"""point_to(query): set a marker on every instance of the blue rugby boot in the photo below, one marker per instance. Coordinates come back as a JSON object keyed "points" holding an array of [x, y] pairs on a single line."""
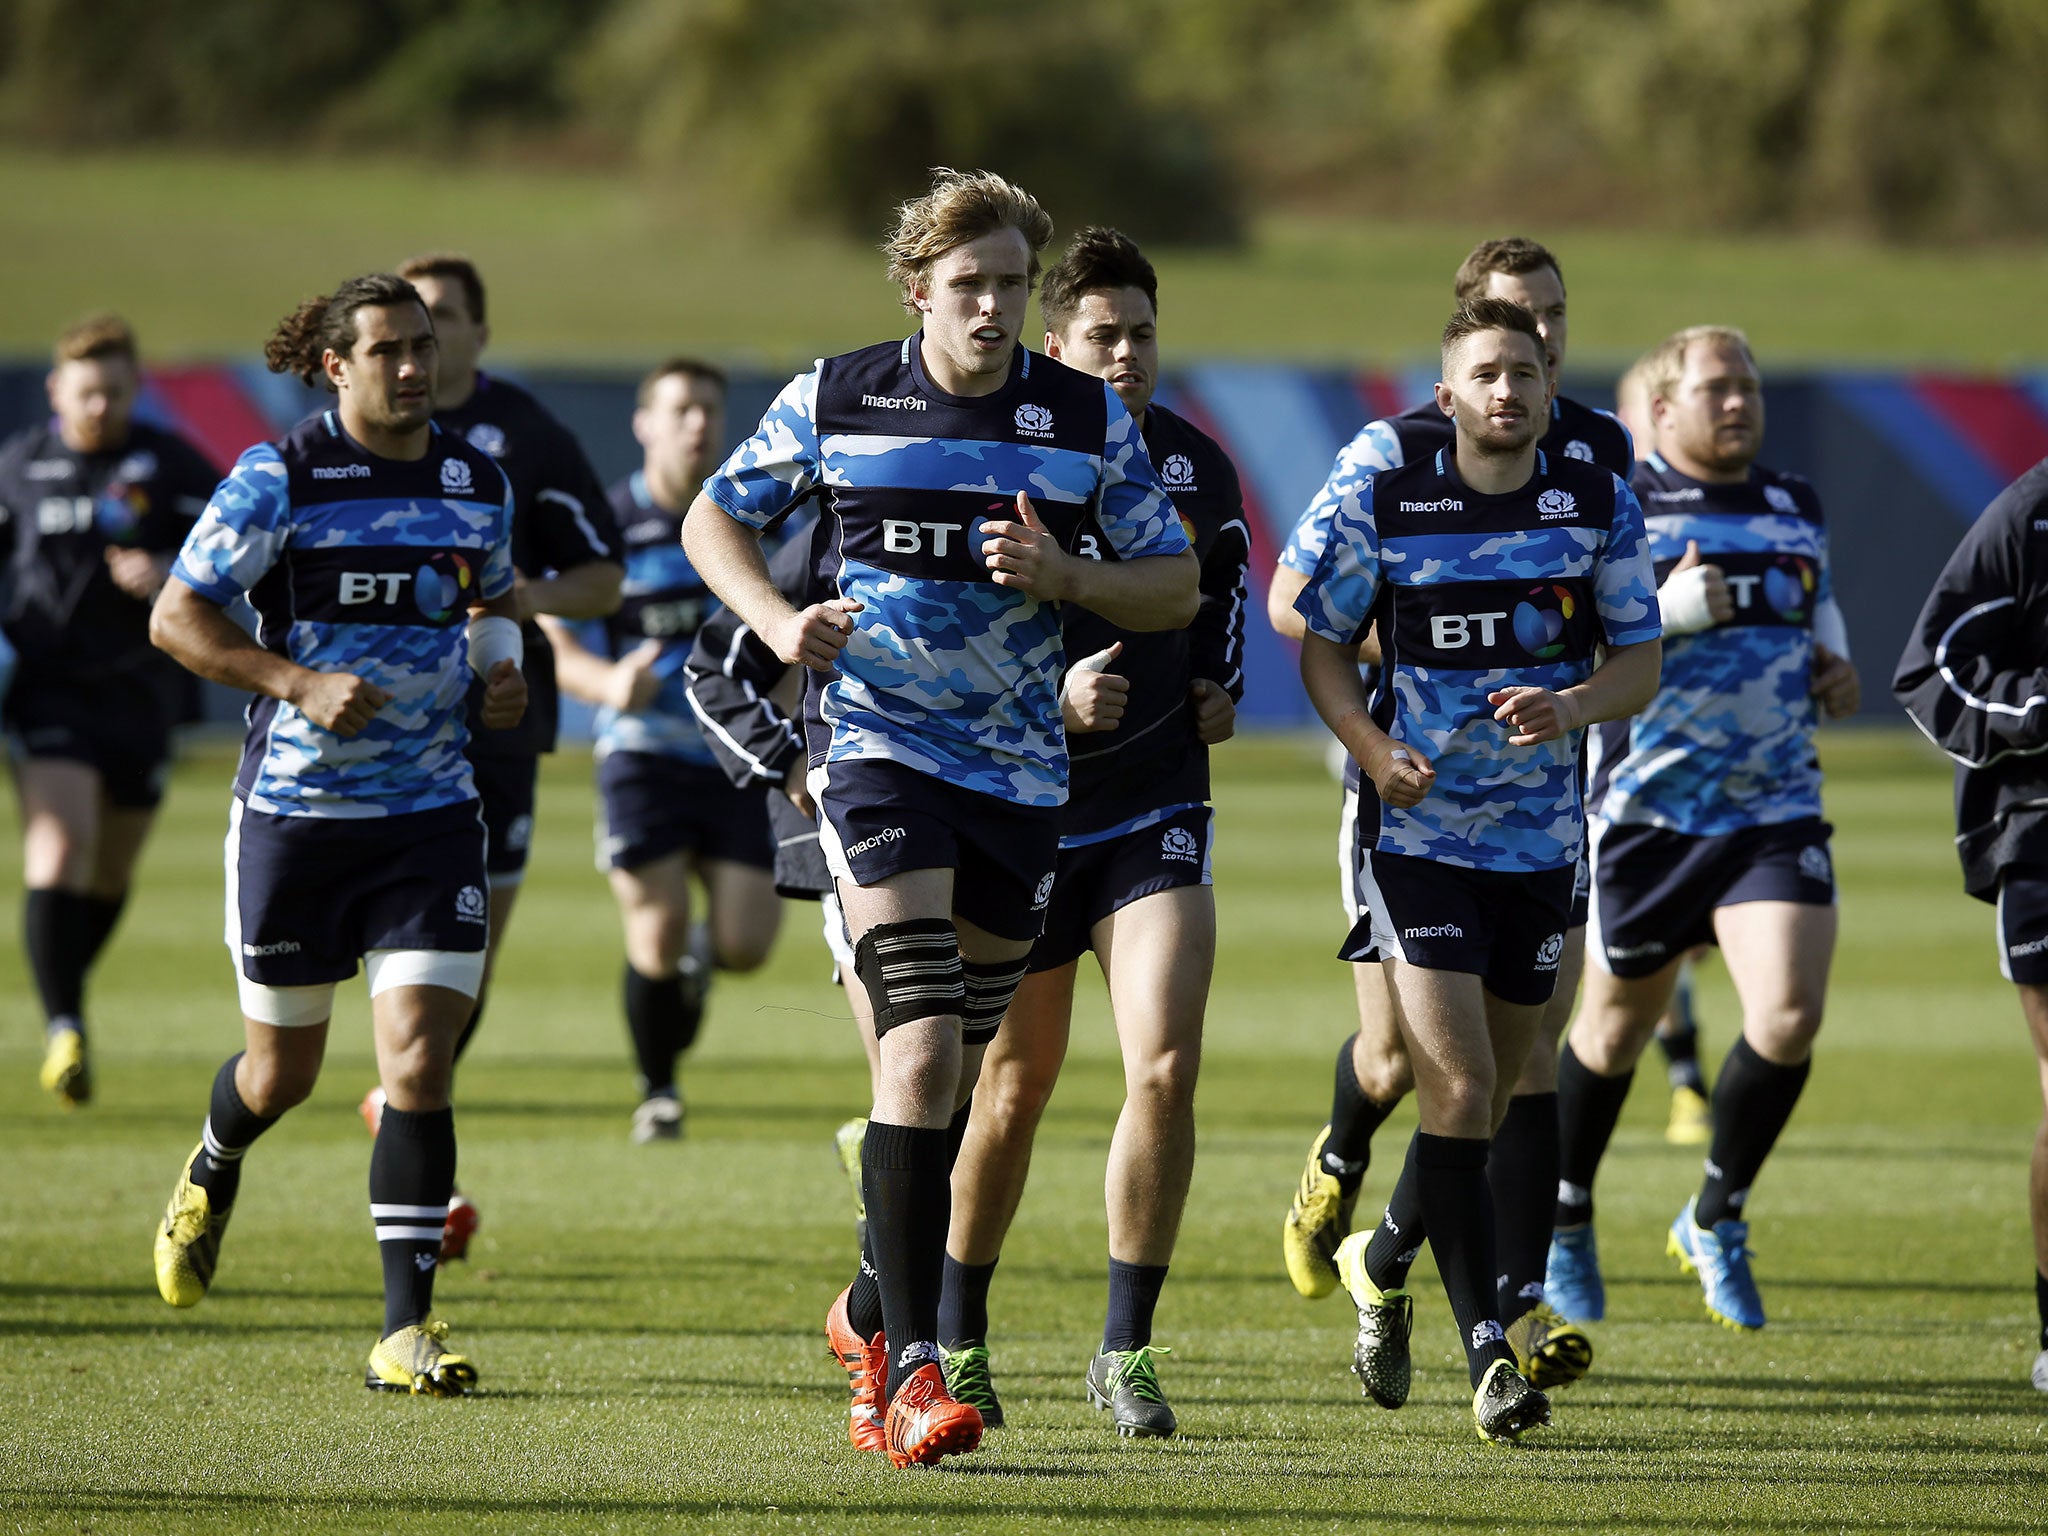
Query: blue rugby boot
{"points": [[1571, 1275], [1720, 1257]]}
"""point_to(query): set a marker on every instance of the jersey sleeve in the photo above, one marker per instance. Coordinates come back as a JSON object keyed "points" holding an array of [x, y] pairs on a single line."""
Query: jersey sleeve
{"points": [[1136, 517], [1374, 449], [243, 530], [570, 522], [1216, 637], [779, 465], [1624, 580], [1338, 599], [729, 678], [1965, 677], [498, 573]]}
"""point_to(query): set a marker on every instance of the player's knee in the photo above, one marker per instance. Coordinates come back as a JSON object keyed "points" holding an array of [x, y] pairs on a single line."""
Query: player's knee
{"points": [[1016, 1090], [745, 950], [1466, 1098], [1165, 1078], [911, 971], [273, 1085], [1385, 1076], [1784, 1031]]}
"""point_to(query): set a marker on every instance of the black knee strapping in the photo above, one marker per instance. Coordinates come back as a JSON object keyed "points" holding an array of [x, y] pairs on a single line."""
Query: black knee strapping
{"points": [[989, 991], [911, 970]]}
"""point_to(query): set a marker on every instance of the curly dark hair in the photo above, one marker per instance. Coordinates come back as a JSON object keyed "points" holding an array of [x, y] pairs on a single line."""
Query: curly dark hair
{"points": [[328, 323], [1098, 258]]}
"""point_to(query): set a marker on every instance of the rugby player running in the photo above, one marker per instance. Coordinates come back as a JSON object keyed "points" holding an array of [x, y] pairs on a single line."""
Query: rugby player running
{"points": [[376, 551], [938, 757], [93, 506], [667, 812], [1707, 827], [1974, 677], [1496, 574], [1372, 1070], [566, 559], [1133, 876]]}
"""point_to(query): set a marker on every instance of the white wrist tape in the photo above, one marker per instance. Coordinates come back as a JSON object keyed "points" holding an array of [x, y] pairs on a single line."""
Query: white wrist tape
{"points": [[1683, 602], [1099, 662], [493, 639], [1831, 629]]}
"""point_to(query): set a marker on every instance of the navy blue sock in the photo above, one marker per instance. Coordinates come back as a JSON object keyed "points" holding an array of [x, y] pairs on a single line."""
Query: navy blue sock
{"points": [[1395, 1243], [231, 1128], [2041, 1304], [909, 1195], [57, 931], [864, 1300], [963, 1303], [1753, 1098], [1353, 1118], [1133, 1296], [412, 1174], [1588, 1108], [1521, 1170], [1450, 1174], [656, 1016]]}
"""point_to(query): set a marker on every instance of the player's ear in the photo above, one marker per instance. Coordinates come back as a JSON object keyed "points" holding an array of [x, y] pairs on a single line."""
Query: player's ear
{"points": [[1443, 397], [1052, 345]]}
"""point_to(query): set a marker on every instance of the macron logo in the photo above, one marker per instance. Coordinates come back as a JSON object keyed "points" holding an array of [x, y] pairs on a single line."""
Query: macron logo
{"points": [[1439, 931], [893, 402], [1448, 504], [886, 835], [281, 947], [341, 471]]}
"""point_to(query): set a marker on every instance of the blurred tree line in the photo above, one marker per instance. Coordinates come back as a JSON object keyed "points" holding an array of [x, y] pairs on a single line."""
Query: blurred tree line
{"points": [[1914, 119]]}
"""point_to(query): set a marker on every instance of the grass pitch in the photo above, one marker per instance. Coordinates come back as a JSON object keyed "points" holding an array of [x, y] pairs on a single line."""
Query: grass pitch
{"points": [[647, 1320], [204, 252]]}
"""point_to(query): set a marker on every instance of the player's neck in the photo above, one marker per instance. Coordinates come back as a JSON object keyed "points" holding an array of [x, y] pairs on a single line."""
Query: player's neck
{"points": [[452, 394], [1494, 474], [968, 386], [407, 445], [1708, 474], [670, 496], [112, 442]]}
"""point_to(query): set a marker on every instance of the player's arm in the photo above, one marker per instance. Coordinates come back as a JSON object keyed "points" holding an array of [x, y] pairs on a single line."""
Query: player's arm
{"points": [[1143, 592], [575, 536], [1216, 638], [1623, 682], [497, 654], [628, 684], [1967, 677], [727, 554], [196, 633], [1398, 772]]}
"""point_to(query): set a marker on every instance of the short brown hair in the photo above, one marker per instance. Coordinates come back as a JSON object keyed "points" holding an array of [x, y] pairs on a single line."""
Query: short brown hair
{"points": [[1515, 256], [686, 367], [1476, 315], [105, 334], [448, 264], [1098, 258], [1664, 363], [962, 206]]}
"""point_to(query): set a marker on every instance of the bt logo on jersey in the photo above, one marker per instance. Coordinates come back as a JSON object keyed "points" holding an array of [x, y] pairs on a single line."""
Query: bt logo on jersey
{"points": [[1454, 631], [902, 537]]}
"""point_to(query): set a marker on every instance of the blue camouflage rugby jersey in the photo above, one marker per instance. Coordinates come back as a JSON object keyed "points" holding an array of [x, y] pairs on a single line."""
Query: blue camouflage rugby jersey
{"points": [[662, 599], [946, 672], [1576, 432], [1473, 593], [355, 563], [1728, 740]]}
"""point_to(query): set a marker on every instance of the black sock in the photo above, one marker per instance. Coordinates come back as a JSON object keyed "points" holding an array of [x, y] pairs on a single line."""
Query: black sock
{"points": [[656, 1013], [1450, 1172], [476, 1017], [231, 1127], [105, 912], [1753, 1099], [1588, 1106], [1133, 1296], [864, 1299], [956, 1132], [963, 1303], [904, 1177], [1353, 1118], [58, 930], [1521, 1170], [412, 1173], [693, 977], [1391, 1250], [1681, 1047], [2041, 1304]]}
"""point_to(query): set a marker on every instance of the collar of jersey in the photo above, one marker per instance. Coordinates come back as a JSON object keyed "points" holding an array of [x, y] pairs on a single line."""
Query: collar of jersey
{"points": [[912, 357], [1446, 466]]}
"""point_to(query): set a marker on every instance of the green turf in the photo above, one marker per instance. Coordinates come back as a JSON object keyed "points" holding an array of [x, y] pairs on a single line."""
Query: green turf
{"points": [[647, 1320], [587, 267]]}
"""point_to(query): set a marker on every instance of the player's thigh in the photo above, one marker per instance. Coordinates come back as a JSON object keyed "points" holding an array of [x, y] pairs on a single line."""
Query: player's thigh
{"points": [[1159, 955], [60, 820], [280, 1063], [655, 892], [1442, 1017], [898, 898], [416, 1025], [123, 830], [1617, 1015], [1023, 1062], [2034, 1004], [1778, 954], [745, 911], [1539, 1067]]}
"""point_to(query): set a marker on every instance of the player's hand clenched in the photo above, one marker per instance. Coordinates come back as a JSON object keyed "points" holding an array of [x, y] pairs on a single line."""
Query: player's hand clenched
{"points": [[339, 702], [1025, 555], [504, 695], [1094, 698], [1399, 773], [1835, 683], [813, 637], [1215, 713], [1535, 715]]}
